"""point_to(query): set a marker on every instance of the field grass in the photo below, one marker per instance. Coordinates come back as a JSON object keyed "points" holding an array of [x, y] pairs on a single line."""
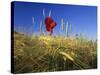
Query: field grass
{"points": [[53, 53]]}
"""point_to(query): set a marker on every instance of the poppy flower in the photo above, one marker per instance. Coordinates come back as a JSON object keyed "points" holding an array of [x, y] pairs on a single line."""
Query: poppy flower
{"points": [[50, 24]]}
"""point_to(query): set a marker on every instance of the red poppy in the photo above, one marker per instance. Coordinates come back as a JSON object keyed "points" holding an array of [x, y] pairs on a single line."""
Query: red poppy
{"points": [[50, 24]]}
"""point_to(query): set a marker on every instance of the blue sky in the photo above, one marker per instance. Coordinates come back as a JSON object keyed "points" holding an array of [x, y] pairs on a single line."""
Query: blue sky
{"points": [[83, 19]]}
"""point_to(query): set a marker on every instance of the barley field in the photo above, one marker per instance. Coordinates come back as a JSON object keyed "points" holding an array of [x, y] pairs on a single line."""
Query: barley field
{"points": [[46, 53]]}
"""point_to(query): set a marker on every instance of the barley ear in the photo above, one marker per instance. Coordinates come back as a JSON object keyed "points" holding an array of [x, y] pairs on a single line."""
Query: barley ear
{"points": [[67, 29], [50, 13], [32, 20], [62, 24], [44, 13], [41, 26]]}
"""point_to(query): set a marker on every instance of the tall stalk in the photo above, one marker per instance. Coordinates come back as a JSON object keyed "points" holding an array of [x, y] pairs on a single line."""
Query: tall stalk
{"points": [[62, 25], [41, 26], [67, 29]]}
